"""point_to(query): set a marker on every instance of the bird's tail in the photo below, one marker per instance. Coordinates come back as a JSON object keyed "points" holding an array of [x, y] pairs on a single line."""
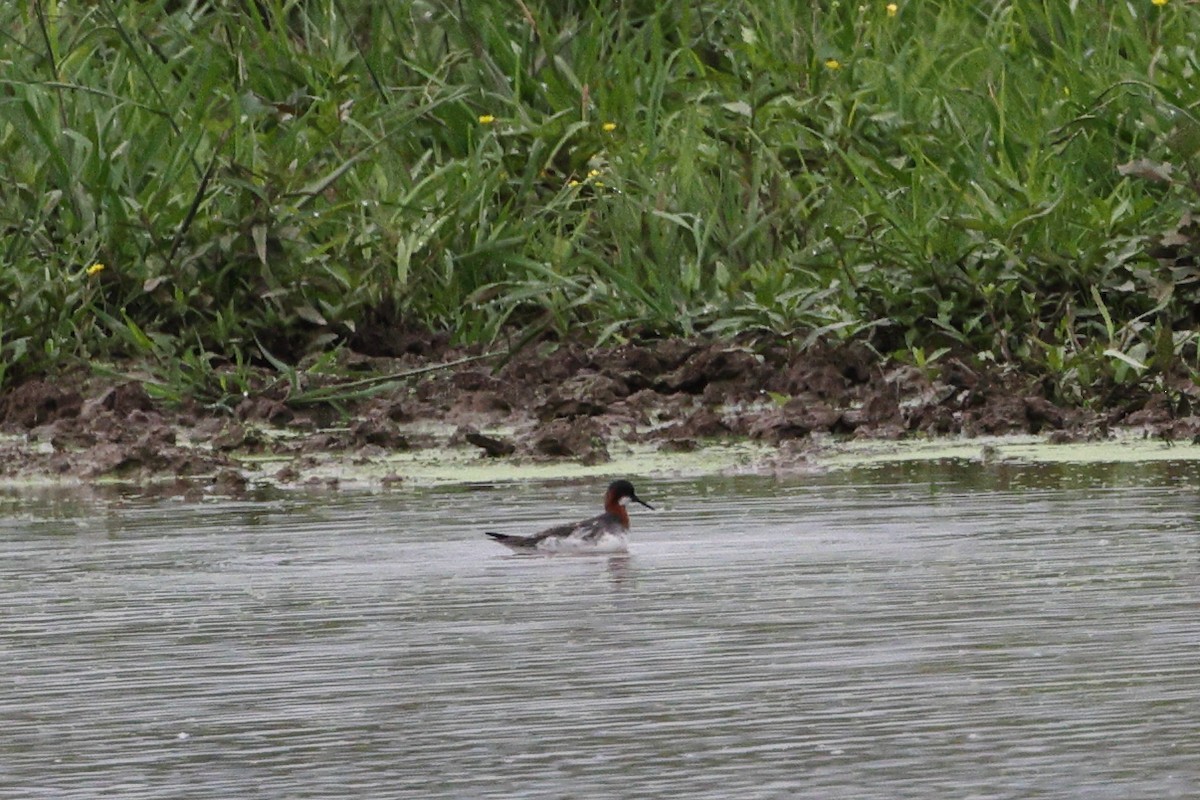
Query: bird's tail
{"points": [[517, 543]]}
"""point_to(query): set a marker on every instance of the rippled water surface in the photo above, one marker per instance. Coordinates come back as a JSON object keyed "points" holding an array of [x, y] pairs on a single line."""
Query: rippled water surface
{"points": [[921, 632]]}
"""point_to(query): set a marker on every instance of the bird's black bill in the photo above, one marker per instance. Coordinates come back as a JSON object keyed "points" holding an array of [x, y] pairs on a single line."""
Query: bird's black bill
{"points": [[643, 502]]}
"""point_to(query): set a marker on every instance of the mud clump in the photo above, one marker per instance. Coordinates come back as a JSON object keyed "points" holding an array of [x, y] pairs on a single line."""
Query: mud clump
{"points": [[378, 431], [730, 369], [703, 423], [587, 395], [797, 419], [493, 446], [38, 403], [236, 436], [264, 409], [580, 440]]}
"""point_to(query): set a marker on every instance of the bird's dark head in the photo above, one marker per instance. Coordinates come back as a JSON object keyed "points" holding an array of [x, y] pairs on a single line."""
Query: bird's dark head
{"points": [[620, 493]]}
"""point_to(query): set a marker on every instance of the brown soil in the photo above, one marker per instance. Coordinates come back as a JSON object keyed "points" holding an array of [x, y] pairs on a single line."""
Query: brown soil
{"points": [[558, 401]]}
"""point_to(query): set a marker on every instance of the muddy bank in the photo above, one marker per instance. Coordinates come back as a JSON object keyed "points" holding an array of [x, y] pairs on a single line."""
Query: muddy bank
{"points": [[548, 403]]}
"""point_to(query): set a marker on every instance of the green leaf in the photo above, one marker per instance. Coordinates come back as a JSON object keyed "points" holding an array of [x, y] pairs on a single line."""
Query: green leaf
{"points": [[1133, 362]]}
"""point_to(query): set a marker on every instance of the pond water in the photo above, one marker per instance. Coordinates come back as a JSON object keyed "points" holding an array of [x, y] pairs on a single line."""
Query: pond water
{"points": [[911, 631]]}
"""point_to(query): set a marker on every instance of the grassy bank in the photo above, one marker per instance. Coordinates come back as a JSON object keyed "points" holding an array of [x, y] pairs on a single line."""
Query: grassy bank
{"points": [[208, 185]]}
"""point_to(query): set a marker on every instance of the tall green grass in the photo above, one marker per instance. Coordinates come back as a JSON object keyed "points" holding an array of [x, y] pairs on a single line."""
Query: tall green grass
{"points": [[261, 181]]}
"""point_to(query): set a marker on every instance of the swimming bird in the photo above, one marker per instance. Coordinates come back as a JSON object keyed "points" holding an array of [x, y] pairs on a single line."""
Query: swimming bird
{"points": [[606, 533]]}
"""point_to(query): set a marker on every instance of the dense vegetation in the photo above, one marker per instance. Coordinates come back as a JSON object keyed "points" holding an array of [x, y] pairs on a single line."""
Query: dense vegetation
{"points": [[201, 184]]}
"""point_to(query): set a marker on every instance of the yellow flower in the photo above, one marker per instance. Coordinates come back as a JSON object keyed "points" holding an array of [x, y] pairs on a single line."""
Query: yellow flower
{"points": [[593, 173], [892, 9], [95, 269], [1159, 2], [608, 127], [486, 119], [572, 182], [833, 63]]}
